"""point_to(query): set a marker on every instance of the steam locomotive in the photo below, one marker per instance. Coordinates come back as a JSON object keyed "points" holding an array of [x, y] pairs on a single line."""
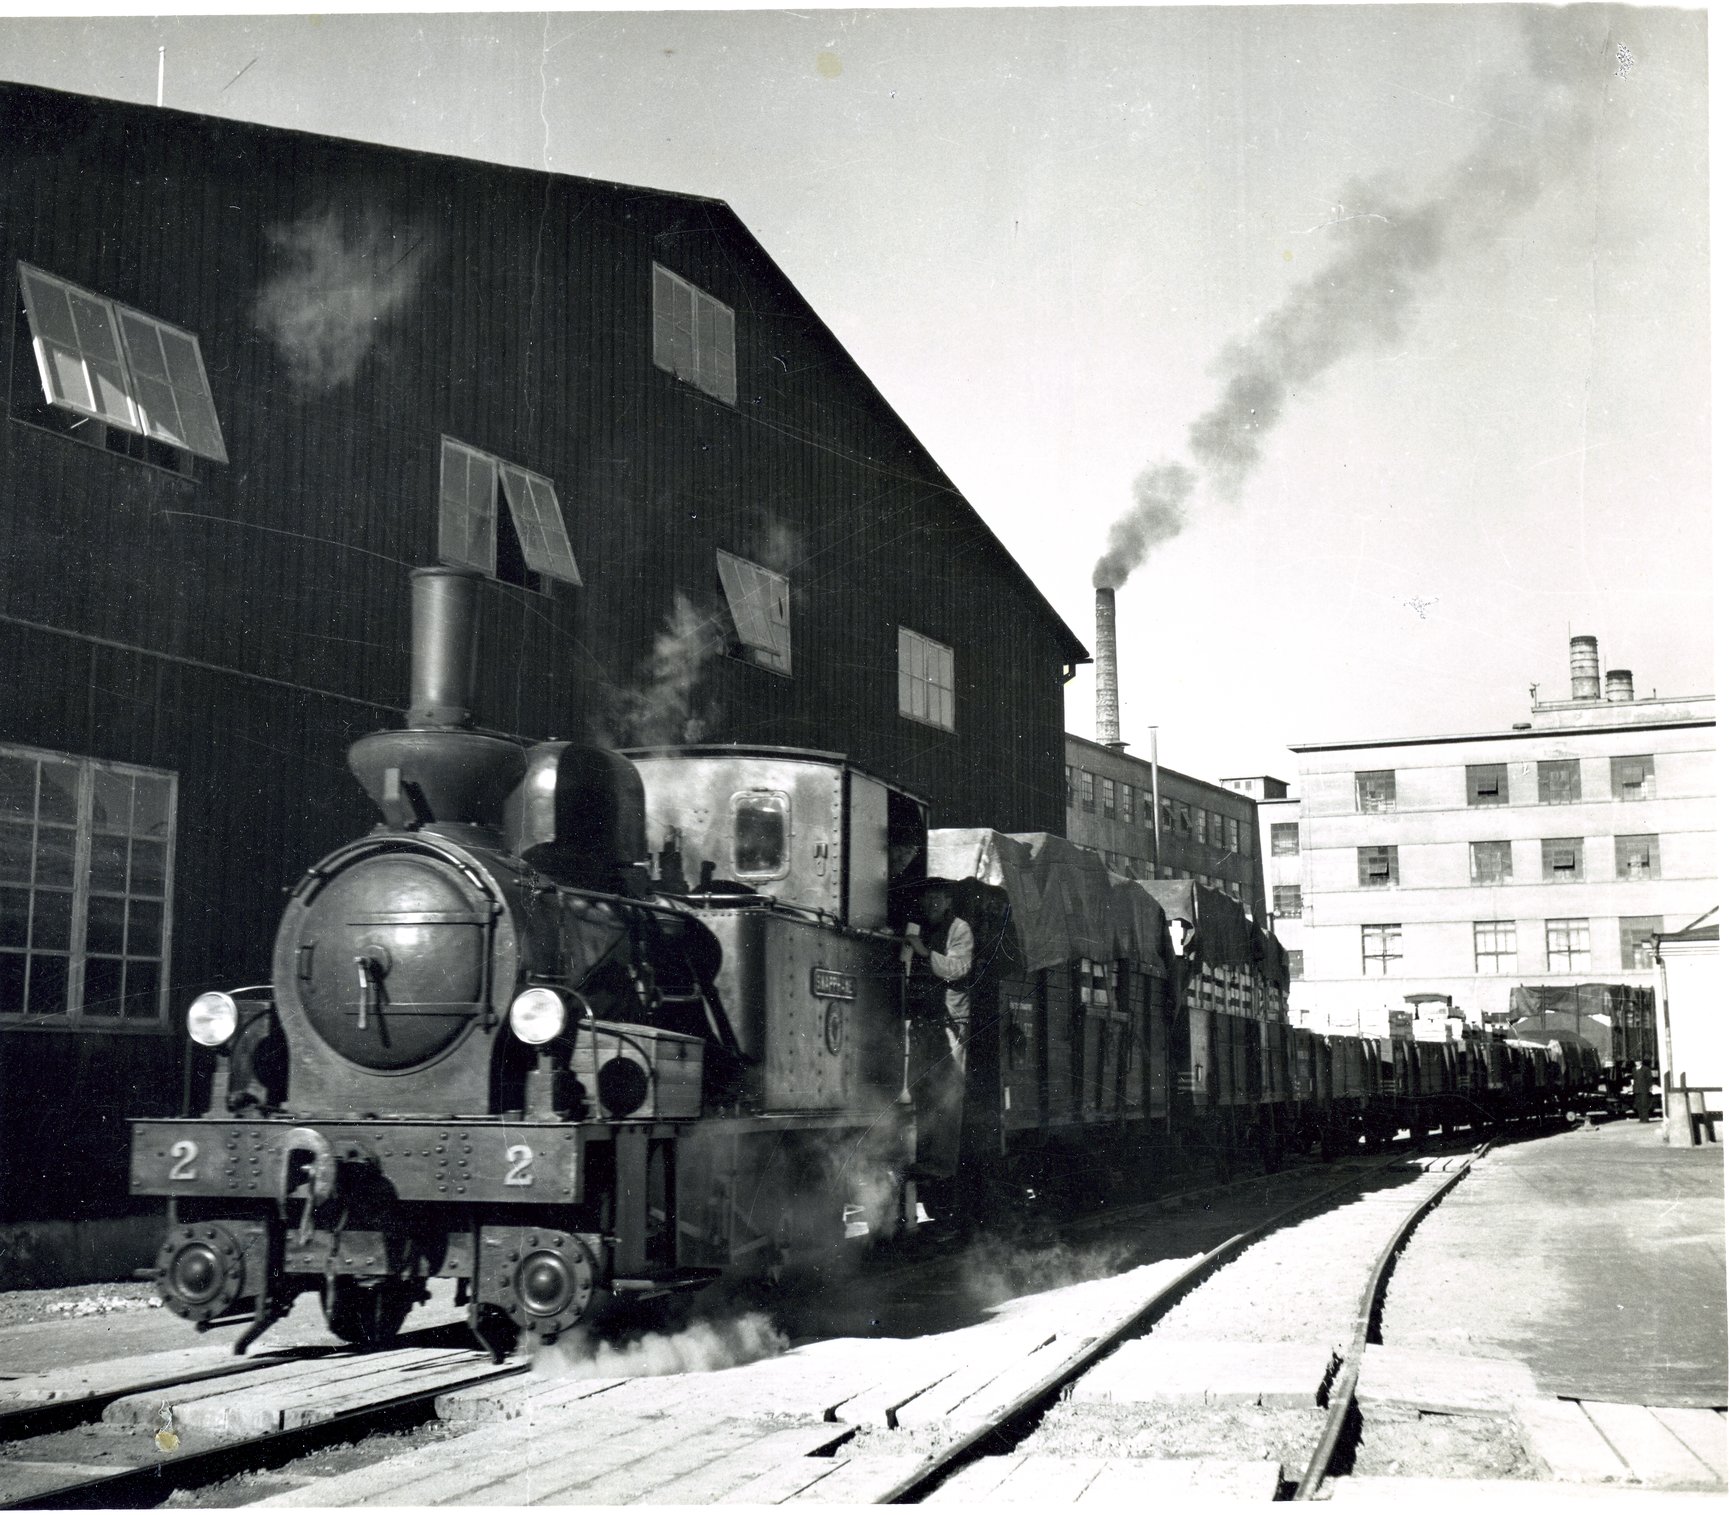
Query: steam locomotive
{"points": [[572, 1026]]}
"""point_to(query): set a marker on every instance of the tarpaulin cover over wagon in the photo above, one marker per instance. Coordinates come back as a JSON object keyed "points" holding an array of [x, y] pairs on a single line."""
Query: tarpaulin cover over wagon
{"points": [[1224, 935], [1063, 902]]}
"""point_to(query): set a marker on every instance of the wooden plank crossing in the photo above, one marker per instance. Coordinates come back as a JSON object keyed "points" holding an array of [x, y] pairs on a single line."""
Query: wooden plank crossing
{"points": [[1442, 1382], [1167, 1370], [1593, 1442], [94, 1380], [285, 1395]]}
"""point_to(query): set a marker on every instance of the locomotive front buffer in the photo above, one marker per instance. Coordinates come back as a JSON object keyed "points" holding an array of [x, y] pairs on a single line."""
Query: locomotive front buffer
{"points": [[540, 1221]]}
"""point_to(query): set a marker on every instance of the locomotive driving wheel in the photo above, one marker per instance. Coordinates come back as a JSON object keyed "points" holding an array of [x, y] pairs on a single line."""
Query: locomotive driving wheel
{"points": [[368, 1311]]}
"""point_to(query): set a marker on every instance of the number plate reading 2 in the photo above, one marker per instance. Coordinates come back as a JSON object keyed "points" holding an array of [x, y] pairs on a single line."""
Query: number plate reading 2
{"points": [[826, 983]]}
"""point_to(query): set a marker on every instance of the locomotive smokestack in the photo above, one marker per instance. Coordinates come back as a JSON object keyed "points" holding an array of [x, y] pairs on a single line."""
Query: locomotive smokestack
{"points": [[1105, 669], [437, 770], [442, 652]]}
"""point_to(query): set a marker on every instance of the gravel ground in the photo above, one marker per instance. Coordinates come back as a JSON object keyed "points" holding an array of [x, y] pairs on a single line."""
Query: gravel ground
{"points": [[1073, 1430], [26, 1307], [1417, 1445]]}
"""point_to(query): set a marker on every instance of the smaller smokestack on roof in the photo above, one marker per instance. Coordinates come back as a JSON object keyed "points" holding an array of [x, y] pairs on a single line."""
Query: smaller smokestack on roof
{"points": [[1105, 669], [1583, 661], [1619, 685]]}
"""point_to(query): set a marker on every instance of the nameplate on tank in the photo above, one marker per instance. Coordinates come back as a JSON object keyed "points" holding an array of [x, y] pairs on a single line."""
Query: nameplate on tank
{"points": [[826, 983]]}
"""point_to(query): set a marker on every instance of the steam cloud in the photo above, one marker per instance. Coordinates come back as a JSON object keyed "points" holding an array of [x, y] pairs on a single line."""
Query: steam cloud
{"points": [[1539, 132], [338, 282], [661, 709], [701, 1347]]}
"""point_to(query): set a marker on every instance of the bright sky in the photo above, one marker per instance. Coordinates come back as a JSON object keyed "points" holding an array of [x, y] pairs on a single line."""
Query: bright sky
{"points": [[1039, 230]]}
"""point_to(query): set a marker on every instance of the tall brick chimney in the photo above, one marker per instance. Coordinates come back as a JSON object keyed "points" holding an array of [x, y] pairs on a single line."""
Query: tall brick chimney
{"points": [[1105, 669]]}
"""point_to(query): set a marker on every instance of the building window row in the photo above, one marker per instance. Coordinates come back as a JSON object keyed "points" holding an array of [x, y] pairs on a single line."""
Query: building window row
{"points": [[1631, 778], [1562, 861], [1223, 832], [1111, 799], [1495, 945]]}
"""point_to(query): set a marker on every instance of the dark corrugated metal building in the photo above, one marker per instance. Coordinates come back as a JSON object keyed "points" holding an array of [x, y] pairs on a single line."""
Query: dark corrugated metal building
{"points": [[254, 376]]}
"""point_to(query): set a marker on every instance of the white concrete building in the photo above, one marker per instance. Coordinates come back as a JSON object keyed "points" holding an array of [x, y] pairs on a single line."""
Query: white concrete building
{"points": [[1550, 853]]}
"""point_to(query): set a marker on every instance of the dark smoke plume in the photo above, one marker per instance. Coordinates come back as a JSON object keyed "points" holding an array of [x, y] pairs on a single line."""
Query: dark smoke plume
{"points": [[337, 282], [1539, 133]]}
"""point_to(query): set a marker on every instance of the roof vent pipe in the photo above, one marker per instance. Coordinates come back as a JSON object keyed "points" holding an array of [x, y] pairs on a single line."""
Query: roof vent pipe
{"points": [[1583, 662], [1619, 685]]}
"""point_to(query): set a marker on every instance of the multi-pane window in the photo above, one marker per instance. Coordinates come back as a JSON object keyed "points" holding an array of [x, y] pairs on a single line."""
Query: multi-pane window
{"points": [[1637, 932], [1559, 781], [694, 336], [1378, 867], [86, 853], [1294, 962], [1637, 857], [514, 544], [1381, 945], [1375, 790], [1487, 784], [1632, 778], [1147, 810], [760, 604], [926, 675], [1230, 834], [1068, 786], [1085, 788], [104, 360], [1235, 889], [1568, 945], [1283, 836], [1108, 799], [1492, 862], [1184, 823], [1494, 947], [1562, 860], [1288, 899], [1167, 819], [1216, 829]]}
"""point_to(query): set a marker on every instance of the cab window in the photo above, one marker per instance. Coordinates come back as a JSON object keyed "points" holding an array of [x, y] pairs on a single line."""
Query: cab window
{"points": [[760, 834]]}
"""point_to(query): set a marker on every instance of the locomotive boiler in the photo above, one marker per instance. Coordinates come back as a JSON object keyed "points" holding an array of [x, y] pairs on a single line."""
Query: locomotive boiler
{"points": [[567, 1026]]}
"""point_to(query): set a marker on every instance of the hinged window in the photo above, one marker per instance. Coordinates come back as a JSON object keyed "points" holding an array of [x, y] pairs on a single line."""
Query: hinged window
{"points": [[1283, 838], [1632, 778], [1559, 781], [1288, 899], [98, 358], [1568, 945], [86, 857], [1375, 790], [516, 544], [1637, 932], [1637, 857], [1492, 862], [1084, 782], [760, 603], [1378, 867], [1562, 858], [1494, 947], [1487, 784], [694, 336], [1381, 948], [925, 675], [1108, 799]]}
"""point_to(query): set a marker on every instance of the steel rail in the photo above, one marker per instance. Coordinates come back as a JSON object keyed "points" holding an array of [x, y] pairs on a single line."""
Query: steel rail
{"points": [[945, 1459], [1342, 1397]]}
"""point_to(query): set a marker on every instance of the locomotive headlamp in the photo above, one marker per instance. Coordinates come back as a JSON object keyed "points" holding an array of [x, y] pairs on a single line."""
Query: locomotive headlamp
{"points": [[537, 1016], [211, 1019]]}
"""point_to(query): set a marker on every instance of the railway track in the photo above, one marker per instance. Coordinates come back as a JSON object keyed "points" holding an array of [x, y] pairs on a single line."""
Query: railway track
{"points": [[127, 1434], [638, 1437]]}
